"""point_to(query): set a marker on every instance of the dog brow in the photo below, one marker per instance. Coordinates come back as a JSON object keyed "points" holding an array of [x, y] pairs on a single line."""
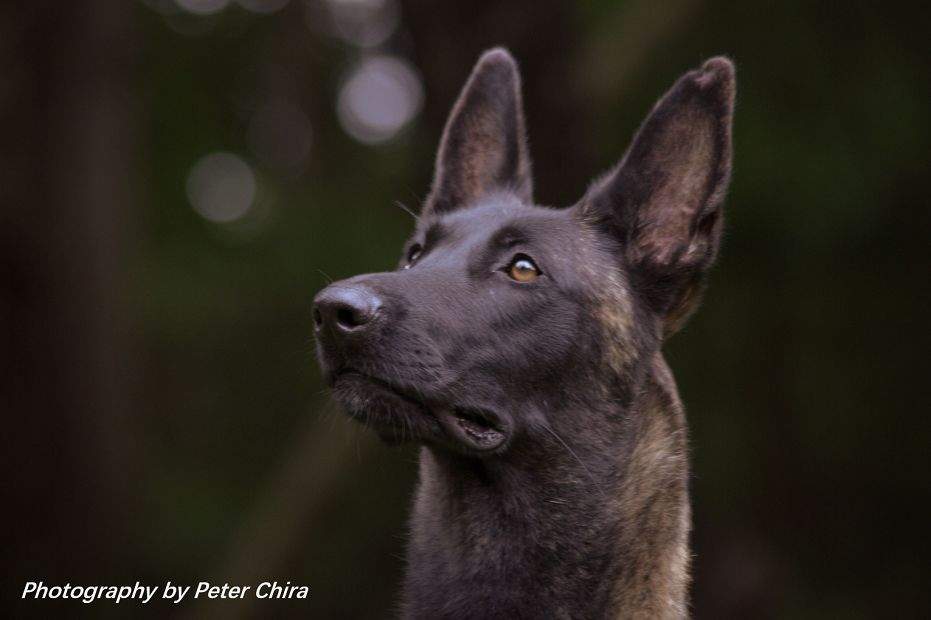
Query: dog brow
{"points": [[508, 237], [435, 233]]}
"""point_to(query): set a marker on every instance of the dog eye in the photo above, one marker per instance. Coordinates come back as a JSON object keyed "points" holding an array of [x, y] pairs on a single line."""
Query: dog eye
{"points": [[413, 254], [523, 269]]}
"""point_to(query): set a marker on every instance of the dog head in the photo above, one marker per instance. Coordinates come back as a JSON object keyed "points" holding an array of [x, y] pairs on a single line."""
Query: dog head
{"points": [[502, 315]]}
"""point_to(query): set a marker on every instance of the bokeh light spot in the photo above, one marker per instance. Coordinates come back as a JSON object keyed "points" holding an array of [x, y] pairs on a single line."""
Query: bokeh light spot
{"points": [[202, 7], [221, 187], [366, 23], [381, 95]]}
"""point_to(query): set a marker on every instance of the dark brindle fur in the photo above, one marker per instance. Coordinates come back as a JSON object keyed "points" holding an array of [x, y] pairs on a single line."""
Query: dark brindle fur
{"points": [[553, 473]]}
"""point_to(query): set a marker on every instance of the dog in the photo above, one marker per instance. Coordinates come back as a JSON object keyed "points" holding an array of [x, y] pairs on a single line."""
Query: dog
{"points": [[521, 346]]}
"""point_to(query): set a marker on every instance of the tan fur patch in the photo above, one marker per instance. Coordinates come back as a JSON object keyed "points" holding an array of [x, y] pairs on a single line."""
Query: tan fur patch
{"points": [[653, 498], [684, 149], [613, 304]]}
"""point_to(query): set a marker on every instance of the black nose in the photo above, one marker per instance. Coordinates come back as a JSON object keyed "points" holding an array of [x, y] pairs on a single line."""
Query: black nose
{"points": [[346, 308]]}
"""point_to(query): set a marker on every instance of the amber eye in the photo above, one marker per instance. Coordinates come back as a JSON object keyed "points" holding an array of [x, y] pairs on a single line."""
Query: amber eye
{"points": [[523, 269], [413, 254]]}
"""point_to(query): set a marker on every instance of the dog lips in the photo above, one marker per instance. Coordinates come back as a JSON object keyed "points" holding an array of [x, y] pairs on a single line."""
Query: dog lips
{"points": [[470, 428]]}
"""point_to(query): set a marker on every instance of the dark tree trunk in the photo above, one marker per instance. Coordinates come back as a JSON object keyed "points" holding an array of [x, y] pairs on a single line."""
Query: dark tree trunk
{"points": [[64, 189]]}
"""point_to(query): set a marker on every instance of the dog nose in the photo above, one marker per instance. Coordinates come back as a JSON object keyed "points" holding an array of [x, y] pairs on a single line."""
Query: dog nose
{"points": [[345, 309]]}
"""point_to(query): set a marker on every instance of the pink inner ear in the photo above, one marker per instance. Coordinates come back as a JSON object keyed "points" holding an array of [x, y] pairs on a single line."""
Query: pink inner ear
{"points": [[481, 153], [684, 160]]}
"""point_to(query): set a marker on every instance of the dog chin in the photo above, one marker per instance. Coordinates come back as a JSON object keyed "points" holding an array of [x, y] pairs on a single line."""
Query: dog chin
{"points": [[397, 417], [393, 416]]}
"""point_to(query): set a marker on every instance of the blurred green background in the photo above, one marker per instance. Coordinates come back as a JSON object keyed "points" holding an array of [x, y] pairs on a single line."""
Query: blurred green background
{"points": [[179, 177]]}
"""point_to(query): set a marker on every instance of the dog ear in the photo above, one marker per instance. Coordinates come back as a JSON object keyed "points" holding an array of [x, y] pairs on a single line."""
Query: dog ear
{"points": [[664, 198], [484, 146]]}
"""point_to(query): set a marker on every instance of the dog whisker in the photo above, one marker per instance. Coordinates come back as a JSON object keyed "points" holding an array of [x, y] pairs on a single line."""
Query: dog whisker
{"points": [[407, 210]]}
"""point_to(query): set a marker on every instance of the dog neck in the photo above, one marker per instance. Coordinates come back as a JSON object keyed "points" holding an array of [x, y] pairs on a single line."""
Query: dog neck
{"points": [[559, 530]]}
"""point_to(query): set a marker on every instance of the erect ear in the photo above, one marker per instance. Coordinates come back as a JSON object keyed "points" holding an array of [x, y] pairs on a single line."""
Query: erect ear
{"points": [[484, 146], [664, 199]]}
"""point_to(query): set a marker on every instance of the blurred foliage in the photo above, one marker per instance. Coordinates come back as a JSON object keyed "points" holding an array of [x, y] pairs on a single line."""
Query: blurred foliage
{"points": [[803, 372]]}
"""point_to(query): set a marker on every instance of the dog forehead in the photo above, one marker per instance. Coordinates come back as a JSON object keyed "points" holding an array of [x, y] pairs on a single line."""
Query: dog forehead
{"points": [[493, 216]]}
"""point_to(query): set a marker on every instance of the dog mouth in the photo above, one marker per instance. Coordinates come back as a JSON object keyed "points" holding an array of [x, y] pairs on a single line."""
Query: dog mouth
{"points": [[396, 411]]}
